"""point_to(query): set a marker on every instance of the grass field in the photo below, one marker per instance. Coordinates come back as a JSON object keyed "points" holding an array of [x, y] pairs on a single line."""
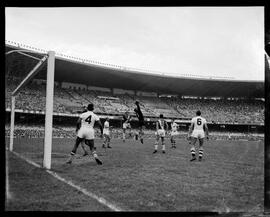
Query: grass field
{"points": [[230, 177]]}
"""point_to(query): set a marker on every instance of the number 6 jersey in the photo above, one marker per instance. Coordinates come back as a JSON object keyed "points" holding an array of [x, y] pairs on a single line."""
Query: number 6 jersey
{"points": [[198, 122]]}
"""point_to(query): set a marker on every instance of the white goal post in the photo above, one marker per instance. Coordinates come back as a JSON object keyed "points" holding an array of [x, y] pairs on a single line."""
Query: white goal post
{"points": [[50, 57], [49, 111]]}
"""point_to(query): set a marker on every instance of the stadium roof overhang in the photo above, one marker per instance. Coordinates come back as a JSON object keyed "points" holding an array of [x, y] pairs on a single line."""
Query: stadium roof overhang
{"points": [[67, 70]]}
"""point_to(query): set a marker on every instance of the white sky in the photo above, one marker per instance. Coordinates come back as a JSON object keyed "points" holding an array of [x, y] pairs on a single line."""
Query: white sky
{"points": [[208, 41]]}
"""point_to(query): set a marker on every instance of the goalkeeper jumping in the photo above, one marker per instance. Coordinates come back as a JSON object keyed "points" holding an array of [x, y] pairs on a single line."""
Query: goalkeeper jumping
{"points": [[140, 117]]}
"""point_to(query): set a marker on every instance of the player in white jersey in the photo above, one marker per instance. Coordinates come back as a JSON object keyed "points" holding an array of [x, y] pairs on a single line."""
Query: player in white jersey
{"points": [[106, 134], [85, 131], [174, 133], [161, 127], [82, 143], [126, 125], [198, 130]]}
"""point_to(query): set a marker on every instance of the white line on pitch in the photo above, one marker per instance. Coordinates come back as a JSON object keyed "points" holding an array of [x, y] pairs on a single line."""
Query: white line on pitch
{"points": [[84, 191]]}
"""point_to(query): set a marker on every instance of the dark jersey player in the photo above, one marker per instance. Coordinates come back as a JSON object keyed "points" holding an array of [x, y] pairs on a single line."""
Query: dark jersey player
{"points": [[140, 117]]}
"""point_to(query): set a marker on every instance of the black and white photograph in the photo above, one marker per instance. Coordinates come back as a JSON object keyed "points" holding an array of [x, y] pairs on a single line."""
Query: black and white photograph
{"points": [[135, 109]]}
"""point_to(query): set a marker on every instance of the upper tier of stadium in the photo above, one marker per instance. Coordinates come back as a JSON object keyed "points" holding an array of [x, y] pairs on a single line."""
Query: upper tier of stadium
{"points": [[75, 70]]}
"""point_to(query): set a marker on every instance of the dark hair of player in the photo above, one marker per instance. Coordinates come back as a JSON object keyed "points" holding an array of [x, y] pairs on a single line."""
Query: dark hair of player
{"points": [[161, 115], [90, 107], [198, 113]]}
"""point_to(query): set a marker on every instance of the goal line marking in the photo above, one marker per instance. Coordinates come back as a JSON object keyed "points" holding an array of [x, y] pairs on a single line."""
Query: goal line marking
{"points": [[84, 191]]}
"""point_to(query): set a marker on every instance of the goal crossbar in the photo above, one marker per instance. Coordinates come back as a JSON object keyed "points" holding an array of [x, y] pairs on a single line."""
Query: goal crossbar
{"points": [[30, 75]]}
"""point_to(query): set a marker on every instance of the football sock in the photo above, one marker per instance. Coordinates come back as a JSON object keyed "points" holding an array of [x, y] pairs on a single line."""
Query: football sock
{"points": [[95, 154], [193, 153], [201, 153], [99, 162], [156, 146], [163, 147], [96, 158]]}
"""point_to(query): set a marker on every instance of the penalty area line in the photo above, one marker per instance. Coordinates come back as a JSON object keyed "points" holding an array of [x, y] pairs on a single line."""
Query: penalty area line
{"points": [[84, 191]]}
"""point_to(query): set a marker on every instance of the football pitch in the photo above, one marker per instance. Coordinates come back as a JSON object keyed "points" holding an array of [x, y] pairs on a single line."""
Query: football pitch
{"points": [[230, 178]]}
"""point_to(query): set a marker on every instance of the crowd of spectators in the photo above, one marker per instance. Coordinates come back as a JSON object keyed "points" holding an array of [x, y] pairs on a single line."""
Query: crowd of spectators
{"points": [[223, 111], [27, 131], [32, 97]]}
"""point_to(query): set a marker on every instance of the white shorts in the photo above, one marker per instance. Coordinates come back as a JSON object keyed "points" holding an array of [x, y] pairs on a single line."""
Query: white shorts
{"points": [[198, 134], [161, 133], [86, 133], [126, 125], [174, 133], [106, 132]]}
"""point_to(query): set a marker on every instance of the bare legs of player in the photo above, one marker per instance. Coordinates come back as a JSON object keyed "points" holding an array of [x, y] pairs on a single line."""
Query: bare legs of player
{"points": [[126, 131], [106, 142], [162, 143], [193, 150], [124, 135], [200, 149], [84, 149], [90, 143], [173, 142], [141, 133]]}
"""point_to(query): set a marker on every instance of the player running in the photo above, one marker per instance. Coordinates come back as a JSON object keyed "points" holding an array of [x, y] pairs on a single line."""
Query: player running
{"points": [[106, 134], [85, 131], [161, 126], [140, 117], [197, 130], [82, 143], [126, 125], [174, 133]]}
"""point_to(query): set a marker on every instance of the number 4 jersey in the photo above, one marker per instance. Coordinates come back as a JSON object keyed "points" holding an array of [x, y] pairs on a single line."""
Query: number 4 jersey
{"points": [[88, 119]]}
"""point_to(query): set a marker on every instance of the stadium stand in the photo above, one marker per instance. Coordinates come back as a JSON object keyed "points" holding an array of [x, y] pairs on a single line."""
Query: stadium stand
{"points": [[70, 101]]}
